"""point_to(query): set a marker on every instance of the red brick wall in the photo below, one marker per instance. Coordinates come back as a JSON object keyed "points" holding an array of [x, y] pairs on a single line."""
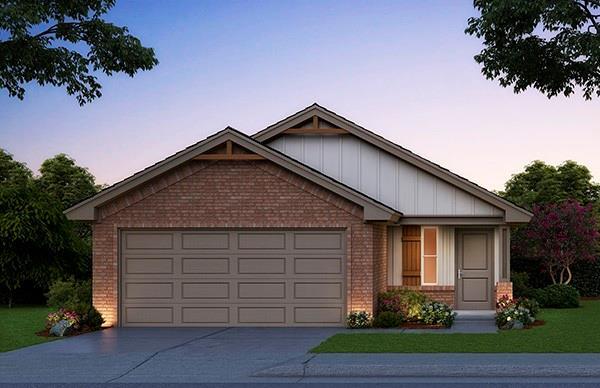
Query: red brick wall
{"points": [[504, 288], [234, 195], [443, 294], [380, 251]]}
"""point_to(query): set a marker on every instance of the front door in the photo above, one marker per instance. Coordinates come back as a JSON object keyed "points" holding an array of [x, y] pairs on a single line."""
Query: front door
{"points": [[474, 269]]}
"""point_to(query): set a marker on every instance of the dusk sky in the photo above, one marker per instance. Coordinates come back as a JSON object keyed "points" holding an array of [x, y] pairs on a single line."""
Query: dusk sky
{"points": [[404, 70]]}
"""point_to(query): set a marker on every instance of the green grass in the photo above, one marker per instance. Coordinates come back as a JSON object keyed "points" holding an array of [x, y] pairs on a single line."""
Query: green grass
{"points": [[565, 331], [18, 326]]}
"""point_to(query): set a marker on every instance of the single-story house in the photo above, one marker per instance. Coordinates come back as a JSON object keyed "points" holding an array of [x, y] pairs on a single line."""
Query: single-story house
{"points": [[296, 225]]}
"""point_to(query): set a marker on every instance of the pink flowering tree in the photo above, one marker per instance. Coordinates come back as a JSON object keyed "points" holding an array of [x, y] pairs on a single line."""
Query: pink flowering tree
{"points": [[560, 235]]}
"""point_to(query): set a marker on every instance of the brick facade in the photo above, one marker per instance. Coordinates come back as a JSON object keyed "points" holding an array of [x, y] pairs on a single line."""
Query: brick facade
{"points": [[244, 194], [443, 294], [504, 288]]}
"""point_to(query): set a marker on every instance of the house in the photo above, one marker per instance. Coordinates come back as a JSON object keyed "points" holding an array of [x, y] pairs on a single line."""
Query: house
{"points": [[297, 225]]}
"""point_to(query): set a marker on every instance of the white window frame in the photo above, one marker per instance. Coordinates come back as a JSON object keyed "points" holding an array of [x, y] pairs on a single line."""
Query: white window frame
{"points": [[437, 255]]}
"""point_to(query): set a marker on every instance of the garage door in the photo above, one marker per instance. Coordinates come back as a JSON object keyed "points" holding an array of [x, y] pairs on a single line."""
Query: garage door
{"points": [[232, 278]]}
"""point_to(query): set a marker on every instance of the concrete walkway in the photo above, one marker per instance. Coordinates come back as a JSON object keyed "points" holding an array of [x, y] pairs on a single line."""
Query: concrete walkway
{"points": [[441, 365]]}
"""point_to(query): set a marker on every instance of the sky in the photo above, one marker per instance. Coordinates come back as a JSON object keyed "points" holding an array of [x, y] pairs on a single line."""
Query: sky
{"points": [[403, 69]]}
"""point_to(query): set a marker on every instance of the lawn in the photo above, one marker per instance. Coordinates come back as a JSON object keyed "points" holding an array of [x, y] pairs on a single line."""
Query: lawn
{"points": [[18, 326], [565, 331]]}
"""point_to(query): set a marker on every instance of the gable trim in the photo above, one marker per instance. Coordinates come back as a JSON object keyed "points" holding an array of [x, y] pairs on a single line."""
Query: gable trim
{"points": [[372, 209], [513, 213]]}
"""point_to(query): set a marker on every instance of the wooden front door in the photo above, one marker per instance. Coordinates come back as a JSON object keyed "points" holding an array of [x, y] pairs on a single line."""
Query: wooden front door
{"points": [[474, 269]]}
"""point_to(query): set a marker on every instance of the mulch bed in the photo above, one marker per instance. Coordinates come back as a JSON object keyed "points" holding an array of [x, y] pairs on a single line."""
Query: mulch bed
{"points": [[419, 325], [72, 333], [537, 322]]}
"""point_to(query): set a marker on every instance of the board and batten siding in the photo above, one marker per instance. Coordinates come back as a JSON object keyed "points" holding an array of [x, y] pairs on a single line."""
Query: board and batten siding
{"points": [[382, 176]]}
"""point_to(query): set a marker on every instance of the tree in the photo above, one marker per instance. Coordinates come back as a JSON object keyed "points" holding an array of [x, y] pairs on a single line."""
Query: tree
{"points": [[560, 235], [549, 45], [11, 171], [541, 183], [61, 43], [68, 183], [35, 236]]}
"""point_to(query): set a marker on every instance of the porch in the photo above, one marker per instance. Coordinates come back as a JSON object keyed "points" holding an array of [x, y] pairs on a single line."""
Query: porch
{"points": [[464, 266]]}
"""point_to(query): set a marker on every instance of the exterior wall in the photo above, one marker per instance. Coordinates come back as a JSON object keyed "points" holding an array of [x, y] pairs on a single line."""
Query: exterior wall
{"points": [[248, 194], [504, 288], [443, 294], [380, 254], [382, 176]]}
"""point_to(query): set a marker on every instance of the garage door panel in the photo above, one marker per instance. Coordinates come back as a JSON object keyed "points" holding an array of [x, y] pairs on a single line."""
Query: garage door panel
{"points": [[204, 290], [205, 240], [321, 241], [315, 290], [149, 241], [205, 265], [149, 290], [318, 265], [149, 315], [261, 241], [257, 266], [145, 266], [261, 290], [233, 278]]}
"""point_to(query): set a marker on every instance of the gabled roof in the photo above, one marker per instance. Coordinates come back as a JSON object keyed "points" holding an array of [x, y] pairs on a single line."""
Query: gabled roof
{"points": [[372, 209], [513, 213]]}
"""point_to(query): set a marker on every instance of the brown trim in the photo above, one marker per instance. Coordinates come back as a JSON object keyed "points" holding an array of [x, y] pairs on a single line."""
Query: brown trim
{"points": [[229, 157], [372, 209], [513, 213]]}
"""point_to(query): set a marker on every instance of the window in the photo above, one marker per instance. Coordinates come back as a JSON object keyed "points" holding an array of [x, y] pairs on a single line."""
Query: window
{"points": [[430, 255]]}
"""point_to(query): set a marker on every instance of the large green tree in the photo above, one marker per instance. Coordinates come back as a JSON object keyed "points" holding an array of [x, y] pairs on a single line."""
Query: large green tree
{"points": [[11, 171], [541, 183], [549, 45], [62, 43], [67, 182]]}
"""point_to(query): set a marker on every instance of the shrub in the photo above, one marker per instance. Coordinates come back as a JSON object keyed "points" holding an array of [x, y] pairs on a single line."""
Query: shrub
{"points": [[70, 295], [75, 296], [437, 313], [93, 319], [560, 296], [513, 317], [520, 282], [358, 320], [530, 304], [586, 278], [388, 319], [407, 302]]}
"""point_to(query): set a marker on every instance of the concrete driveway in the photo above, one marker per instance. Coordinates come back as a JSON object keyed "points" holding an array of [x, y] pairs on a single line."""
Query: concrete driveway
{"points": [[162, 355]]}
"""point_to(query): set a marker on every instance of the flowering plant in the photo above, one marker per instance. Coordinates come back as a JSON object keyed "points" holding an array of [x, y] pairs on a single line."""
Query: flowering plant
{"points": [[359, 320], [512, 313], [63, 315], [437, 313]]}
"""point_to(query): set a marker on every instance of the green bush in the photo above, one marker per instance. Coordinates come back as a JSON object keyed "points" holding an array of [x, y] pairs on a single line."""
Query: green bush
{"points": [[530, 304], [75, 296], [70, 295], [560, 296], [388, 319], [586, 278], [358, 320], [93, 319], [407, 302], [437, 313], [520, 281]]}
